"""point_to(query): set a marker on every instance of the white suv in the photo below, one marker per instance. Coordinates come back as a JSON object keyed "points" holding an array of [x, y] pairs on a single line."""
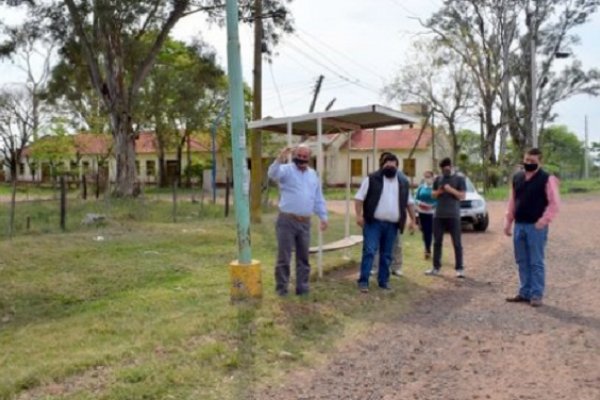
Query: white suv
{"points": [[473, 209]]}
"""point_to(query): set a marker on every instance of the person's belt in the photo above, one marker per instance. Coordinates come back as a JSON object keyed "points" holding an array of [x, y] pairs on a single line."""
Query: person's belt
{"points": [[299, 218]]}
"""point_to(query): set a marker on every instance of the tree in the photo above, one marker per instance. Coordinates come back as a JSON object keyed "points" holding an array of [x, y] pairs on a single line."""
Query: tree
{"points": [[113, 40], [555, 21], [54, 149], [472, 29], [481, 31], [16, 131], [437, 77], [179, 97], [563, 152]]}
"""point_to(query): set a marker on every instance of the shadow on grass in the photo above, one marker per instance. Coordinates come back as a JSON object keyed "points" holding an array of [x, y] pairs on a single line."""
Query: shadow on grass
{"points": [[245, 338]]}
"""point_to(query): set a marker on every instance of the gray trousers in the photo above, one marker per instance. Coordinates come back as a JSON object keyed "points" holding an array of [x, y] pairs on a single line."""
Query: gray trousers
{"points": [[292, 235], [396, 264]]}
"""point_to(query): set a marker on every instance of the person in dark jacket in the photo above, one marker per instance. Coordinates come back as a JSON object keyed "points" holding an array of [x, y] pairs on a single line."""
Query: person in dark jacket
{"points": [[533, 203], [381, 206]]}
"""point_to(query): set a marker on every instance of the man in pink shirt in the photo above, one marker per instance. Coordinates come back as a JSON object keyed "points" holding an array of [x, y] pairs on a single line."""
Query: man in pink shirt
{"points": [[533, 203]]}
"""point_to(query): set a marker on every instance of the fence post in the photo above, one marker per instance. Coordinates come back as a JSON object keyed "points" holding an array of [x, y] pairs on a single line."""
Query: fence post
{"points": [[227, 196], [63, 203], [174, 200], [84, 185]]}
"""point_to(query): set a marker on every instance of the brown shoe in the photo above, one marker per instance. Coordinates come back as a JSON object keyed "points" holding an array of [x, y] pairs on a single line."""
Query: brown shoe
{"points": [[535, 302], [517, 299]]}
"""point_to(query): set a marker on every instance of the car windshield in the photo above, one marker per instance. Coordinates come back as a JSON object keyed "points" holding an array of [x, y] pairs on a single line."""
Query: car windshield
{"points": [[470, 186]]}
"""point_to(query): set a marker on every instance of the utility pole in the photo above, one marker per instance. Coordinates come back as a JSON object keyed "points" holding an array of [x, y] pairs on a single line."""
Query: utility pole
{"points": [[314, 100], [534, 84], [244, 272], [256, 135], [586, 152], [316, 94], [330, 104]]}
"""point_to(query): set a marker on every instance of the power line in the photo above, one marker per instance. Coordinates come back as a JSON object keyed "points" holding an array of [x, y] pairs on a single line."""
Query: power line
{"points": [[336, 73], [403, 7], [276, 89], [347, 57], [321, 54]]}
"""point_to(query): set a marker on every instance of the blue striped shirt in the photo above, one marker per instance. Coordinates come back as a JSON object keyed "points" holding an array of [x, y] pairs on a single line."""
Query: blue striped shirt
{"points": [[300, 192]]}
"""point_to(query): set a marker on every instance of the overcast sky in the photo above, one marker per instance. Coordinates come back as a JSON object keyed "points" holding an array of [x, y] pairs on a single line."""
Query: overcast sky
{"points": [[358, 45]]}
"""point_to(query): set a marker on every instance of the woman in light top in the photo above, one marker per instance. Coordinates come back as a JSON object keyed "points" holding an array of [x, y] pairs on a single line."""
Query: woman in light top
{"points": [[425, 209]]}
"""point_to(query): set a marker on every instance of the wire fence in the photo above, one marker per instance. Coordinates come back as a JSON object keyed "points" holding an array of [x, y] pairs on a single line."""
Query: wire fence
{"points": [[45, 210]]}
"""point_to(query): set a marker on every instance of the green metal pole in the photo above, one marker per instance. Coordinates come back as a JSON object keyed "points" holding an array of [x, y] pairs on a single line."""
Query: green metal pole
{"points": [[238, 134]]}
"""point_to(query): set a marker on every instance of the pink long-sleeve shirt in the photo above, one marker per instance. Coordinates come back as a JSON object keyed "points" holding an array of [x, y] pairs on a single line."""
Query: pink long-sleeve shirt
{"points": [[552, 193]]}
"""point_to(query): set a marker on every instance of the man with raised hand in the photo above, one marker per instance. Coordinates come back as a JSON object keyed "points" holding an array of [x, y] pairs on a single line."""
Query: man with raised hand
{"points": [[300, 195]]}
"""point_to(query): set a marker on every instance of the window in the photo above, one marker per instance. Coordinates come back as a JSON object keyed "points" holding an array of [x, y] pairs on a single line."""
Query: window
{"points": [[85, 166], [356, 167], [150, 168], [137, 167], [21, 168], [73, 166]]}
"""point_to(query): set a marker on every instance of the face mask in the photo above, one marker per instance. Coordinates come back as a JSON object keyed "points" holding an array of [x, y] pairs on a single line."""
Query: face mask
{"points": [[429, 181], [390, 172], [446, 172], [299, 162], [530, 167]]}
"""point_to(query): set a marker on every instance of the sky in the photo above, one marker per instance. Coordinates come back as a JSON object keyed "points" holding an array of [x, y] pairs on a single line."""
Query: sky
{"points": [[359, 46]]}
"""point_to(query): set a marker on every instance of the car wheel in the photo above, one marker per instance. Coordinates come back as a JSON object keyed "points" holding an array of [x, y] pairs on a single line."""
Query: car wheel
{"points": [[482, 225]]}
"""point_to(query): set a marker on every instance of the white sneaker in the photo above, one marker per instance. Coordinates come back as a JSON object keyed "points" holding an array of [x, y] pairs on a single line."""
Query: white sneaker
{"points": [[460, 273], [432, 271], [397, 272]]}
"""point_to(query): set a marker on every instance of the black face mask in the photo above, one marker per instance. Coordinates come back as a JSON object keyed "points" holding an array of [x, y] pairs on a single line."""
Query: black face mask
{"points": [[299, 162], [390, 172], [446, 172], [530, 167]]}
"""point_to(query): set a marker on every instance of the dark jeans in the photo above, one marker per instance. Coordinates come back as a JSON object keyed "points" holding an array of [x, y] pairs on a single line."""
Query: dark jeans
{"points": [[377, 235], [426, 222], [451, 225], [292, 235]]}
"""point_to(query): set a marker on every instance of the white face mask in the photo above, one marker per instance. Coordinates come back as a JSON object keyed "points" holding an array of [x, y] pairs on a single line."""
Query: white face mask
{"points": [[428, 181]]}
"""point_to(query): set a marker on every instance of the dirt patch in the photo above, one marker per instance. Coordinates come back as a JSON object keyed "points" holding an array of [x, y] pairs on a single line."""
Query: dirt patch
{"points": [[465, 342]]}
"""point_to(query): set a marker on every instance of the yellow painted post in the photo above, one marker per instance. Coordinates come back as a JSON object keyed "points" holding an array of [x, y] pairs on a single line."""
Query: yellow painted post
{"points": [[246, 281]]}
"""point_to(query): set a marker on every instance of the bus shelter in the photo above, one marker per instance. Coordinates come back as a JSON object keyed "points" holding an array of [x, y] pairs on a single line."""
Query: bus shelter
{"points": [[345, 121]]}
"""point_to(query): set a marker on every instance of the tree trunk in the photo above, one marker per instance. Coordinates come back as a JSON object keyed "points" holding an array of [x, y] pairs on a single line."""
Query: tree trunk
{"points": [[13, 202], [125, 155], [179, 160], [452, 131]]}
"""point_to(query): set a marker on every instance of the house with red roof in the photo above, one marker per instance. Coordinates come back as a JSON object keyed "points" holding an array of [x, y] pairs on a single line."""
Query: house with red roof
{"points": [[88, 153], [359, 152]]}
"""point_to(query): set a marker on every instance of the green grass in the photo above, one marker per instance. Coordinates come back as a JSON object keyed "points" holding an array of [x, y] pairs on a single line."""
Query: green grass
{"points": [[567, 187], [145, 313]]}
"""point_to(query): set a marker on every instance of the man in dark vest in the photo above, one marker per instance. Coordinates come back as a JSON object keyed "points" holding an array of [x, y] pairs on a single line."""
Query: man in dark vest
{"points": [[449, 189], [533, 203], [381, 207]]}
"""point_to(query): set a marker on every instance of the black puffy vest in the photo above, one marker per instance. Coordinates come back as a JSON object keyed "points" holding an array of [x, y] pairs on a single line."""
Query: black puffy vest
{"points": [[374, 193], [530, 196]]}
